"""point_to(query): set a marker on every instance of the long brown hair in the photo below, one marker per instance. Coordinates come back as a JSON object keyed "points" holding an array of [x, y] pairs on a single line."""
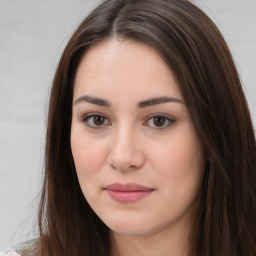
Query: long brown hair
{"points": [[196, 52]]}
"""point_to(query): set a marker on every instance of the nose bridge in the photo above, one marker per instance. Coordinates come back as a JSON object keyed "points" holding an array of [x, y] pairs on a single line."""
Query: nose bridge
{"points": [[125, 152], [124, 136]]}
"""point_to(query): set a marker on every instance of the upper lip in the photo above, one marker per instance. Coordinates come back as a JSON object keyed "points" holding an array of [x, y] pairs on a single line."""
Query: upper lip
{"points": [[127, 187]]}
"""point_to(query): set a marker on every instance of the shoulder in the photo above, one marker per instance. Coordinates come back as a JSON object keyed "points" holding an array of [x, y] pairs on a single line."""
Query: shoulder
{"points": [[28, 248]]}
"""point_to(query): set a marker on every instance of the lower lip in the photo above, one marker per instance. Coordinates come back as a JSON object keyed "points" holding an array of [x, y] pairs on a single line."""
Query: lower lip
{"points": [[128, 196]]}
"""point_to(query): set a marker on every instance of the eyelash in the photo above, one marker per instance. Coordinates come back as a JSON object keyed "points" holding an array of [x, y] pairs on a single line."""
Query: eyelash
{"points": [[166, 118], [88, 117]]}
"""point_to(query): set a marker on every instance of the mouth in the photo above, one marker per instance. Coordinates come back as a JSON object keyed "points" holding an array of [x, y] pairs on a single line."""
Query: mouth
{"points": [[127, 193]]}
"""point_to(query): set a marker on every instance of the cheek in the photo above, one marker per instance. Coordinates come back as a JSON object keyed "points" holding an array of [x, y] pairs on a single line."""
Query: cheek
{"points": [[181, 162], [184, 151], [89, 156], [89, 159], [85, 154], [182, 175]]}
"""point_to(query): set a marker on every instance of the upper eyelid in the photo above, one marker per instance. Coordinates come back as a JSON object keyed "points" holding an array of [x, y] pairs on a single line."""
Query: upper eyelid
{"points": [[167, 116], [85, 119], [170, 119], [91, 114], [148, 116]]}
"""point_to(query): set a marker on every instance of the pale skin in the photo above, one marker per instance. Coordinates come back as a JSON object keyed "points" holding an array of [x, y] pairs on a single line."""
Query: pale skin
{"points": [[130, 124]]}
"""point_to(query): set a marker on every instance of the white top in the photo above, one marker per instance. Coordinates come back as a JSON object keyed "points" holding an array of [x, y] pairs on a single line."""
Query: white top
{"points": [[10, 253], [28, 246]]}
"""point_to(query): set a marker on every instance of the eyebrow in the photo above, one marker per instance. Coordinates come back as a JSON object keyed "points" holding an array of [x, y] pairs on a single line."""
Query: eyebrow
{"points": [[93, 100], [159, 100], [141, 104]]}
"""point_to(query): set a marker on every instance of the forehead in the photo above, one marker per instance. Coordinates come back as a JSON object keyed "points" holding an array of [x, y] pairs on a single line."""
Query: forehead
{"points": [[113, 67]]}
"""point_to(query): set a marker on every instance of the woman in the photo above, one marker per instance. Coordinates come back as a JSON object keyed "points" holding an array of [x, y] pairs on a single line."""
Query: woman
{"points": [[150, 146]]}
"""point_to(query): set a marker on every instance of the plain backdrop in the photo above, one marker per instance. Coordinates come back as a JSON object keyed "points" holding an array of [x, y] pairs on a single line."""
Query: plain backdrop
{"points": [[33, 34]]}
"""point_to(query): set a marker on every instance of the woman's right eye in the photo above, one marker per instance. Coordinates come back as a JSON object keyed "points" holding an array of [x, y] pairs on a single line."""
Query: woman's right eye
{"points": [[95, 121]]}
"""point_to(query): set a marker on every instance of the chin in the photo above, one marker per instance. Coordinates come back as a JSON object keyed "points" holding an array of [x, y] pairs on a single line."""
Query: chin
{"points": [[126, 225], [131, 231], [132, 227]]}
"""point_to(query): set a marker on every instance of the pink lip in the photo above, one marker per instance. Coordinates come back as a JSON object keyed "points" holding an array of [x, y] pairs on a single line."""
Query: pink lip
{"points": [[127, 193]]}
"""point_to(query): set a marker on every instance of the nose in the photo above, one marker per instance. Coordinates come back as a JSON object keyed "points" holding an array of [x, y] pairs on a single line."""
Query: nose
{"points": [[126, 151]]}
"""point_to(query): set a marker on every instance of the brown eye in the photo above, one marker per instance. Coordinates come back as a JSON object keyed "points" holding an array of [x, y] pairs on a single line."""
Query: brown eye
{"points": [[98, 120], [95, 120], [159, 121]]}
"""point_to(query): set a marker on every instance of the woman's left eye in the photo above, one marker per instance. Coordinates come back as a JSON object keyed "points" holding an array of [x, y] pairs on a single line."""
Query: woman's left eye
{"points": [[95, 120], [159, 121]]}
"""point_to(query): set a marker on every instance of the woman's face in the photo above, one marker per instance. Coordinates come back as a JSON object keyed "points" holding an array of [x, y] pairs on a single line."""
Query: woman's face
{"points": [[138, 158]]}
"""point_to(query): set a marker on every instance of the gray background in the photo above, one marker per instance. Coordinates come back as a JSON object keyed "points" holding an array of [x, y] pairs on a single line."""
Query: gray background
{"points": [[33, 34]]}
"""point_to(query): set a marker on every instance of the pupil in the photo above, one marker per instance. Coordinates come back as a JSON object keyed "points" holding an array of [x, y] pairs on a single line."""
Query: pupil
{"points": [[98, 120], [159, 121]]}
